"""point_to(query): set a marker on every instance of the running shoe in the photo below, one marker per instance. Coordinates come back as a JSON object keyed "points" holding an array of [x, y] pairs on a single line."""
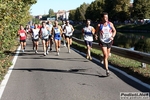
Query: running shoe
{"points": [[36, 52], [58, 49], [57, 53], [87, 57], [90, 58], [45, 54], [64, 44], [107, 73], [50, 49], [23, 50]]}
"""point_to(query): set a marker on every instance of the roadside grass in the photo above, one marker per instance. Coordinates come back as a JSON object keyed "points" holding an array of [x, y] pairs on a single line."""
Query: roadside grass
{"points": [[134, 26], [6, 60], [130, 66]]}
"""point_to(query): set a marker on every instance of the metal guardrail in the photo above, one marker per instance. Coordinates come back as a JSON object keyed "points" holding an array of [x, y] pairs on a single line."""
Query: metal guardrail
{"points": [[135, 55]]}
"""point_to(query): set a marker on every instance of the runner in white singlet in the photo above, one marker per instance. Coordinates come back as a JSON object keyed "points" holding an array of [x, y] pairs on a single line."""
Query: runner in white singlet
{"points": [[107, 33], [50, 26], [68, 29], [35, 36], [44, 34], [88, 32], [63, 35]]}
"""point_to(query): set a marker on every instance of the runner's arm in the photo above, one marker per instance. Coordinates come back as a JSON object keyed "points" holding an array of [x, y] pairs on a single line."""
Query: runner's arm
{"points": [[61, 31], [113, 30], [96, 31], [72, 28], [52, 32], [93, 30]]}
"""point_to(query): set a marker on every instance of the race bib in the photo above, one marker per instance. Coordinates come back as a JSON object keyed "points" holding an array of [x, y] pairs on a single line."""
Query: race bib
{"points": [[106, 35], [56, 31], [22, 34]]}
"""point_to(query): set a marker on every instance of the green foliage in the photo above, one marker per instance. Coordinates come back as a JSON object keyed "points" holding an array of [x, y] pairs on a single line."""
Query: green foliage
{"points": [[141, 9], [51, 13], [72, 14], [80, 12], [143, 45], [44, 17], [35, 20], [12, 14], [118, 10], [94, 10]]}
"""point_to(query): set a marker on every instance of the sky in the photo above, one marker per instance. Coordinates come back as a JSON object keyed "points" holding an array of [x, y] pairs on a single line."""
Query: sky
{"points": [[43, 6]]}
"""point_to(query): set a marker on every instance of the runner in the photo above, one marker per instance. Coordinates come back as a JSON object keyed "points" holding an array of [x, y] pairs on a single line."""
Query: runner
{"points": [[45, 38], [27, 29], [50, 26], [107, 33], [35, 36], [57, 32], [32, 27], [88, 32], [39, 26], [63, 35], [23, 35], [68, 29]]}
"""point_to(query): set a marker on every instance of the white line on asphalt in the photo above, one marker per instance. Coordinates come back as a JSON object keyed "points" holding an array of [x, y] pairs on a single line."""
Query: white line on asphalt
{"points": [[120, 71], [6, 78]]}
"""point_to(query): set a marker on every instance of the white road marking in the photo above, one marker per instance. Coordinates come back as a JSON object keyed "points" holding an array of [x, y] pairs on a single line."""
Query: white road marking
{"points": [[6, 77]]}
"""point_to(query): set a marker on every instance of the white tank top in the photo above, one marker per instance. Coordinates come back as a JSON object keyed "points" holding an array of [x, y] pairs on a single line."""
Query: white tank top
{"points": [[68, 31], [63, 26], [88, 33], [35, 33], [106, 34], [50, 26], [45, 33]]}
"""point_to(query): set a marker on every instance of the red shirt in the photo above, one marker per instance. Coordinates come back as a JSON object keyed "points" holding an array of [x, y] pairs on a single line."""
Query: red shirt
{"points": [[39, 27], [22, 34]]}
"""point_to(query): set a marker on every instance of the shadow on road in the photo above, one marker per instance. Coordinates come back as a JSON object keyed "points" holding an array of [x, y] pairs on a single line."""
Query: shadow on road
{"points": [[72, 71]]}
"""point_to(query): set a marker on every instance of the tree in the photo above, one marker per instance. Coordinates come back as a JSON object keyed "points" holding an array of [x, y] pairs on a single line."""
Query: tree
{"points": [[143, 45], [72, 14], [80, 12], [118, 10], [12, 14], [95, 9], [141, 9], [51, 13]]}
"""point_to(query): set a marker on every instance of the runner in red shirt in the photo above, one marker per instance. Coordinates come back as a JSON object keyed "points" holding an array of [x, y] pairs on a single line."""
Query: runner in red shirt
{"points": [[23, 35]]}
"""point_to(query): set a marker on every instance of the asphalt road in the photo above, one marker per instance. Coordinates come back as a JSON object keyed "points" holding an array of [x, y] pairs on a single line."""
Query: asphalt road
{"points": [[64, 77]]}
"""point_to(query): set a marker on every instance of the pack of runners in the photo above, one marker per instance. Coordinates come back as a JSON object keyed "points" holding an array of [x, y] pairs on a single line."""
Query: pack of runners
{"points": [[50, 33]]}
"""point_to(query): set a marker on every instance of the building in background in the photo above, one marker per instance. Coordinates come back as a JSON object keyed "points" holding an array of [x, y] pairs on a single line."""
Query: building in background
{"points": [[38, 16], [62, 15]]}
